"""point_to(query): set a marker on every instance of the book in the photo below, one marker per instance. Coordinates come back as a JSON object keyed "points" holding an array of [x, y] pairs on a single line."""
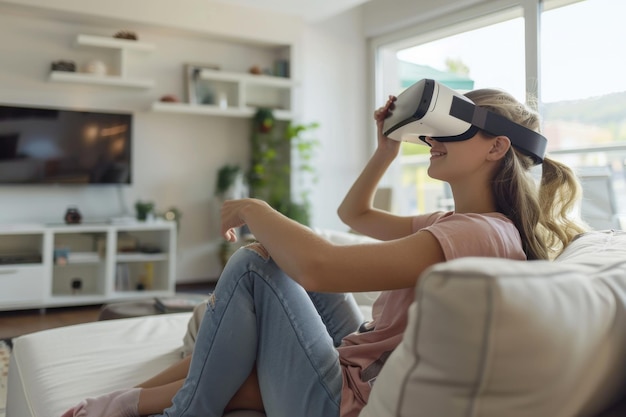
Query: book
{"points": [[178, 303]]}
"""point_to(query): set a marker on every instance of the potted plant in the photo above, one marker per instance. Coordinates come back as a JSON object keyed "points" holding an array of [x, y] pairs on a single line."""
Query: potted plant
{"points": [[143, 209], [275, 153], [227, 177]]}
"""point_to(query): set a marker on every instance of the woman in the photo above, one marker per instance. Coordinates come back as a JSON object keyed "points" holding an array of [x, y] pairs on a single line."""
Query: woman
{"points": [[280, 336]]}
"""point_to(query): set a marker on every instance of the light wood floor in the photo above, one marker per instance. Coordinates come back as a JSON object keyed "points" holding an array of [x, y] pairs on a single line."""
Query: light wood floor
{"points": [[19, 322]]}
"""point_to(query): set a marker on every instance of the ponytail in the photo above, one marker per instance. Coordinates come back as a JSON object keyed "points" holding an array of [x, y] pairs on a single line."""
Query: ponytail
{"points": [[542, 214], [559, 192]]}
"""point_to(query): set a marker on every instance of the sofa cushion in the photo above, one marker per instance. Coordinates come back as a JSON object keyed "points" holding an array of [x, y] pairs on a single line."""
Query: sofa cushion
{"points": [[492, 337]]}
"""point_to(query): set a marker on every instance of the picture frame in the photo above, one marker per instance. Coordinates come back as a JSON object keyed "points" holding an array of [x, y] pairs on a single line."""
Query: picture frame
{"points": [[195, 93]]}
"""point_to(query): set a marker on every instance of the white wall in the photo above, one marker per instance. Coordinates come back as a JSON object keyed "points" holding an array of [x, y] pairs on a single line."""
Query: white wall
{"points": [[384, 16], [336, 77], [176, 156]]}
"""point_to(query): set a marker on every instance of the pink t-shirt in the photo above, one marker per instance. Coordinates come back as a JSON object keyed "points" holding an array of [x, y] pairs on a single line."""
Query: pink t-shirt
{"points": [[460, 235]]}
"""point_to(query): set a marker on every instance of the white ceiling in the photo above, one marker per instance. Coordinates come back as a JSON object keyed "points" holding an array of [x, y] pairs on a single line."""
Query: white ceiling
{"points": [[310, 10]]}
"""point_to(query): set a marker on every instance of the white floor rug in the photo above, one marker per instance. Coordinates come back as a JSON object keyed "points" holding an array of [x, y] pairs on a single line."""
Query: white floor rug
{"points": [[5, 352]]}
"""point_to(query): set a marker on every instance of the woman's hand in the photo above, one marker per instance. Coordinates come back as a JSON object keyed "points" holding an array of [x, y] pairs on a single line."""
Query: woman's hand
{"points": [[384, 143], [232, 216]]}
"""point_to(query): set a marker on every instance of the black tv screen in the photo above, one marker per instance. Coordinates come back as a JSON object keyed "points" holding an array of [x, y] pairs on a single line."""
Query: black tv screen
{"points": [[46, 145]]}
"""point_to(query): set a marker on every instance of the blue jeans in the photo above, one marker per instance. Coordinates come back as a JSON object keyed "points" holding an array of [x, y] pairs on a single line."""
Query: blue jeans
{"points": [[261, 317]]}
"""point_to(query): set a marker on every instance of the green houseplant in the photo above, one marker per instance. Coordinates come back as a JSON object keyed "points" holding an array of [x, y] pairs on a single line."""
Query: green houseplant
{"points": [[277, 149], [226, 177], [143, 208]]}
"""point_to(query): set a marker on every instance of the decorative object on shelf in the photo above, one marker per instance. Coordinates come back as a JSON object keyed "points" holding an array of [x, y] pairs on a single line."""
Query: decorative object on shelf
{"points": [[256, 70], [144, 209], [222, 100], [205, 94], [62, 65], [275, 154], [72, 215], [196, 90], [169, 98], [77, 285], [147, 278], [61, 256], [126, 34], [95, 67], [281, 68], [173, 214]]}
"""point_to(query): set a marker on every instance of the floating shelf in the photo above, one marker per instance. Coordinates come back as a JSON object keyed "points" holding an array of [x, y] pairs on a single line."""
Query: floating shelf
{"points": [[110, 80], [249, 79], [113, 43], [125, 48], [211, 110], [242, 92]]}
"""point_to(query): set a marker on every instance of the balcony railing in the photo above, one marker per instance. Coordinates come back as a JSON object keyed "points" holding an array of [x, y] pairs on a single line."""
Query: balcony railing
{"points": [[601, 169]]}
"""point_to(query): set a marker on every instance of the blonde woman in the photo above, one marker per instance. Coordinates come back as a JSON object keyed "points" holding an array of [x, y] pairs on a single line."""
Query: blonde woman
{"points": [[279, 334]]}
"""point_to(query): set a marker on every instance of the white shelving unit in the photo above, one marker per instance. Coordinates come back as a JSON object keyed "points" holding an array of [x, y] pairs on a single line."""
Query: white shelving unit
{"points": [[22, 273], [124, 47], [85, 264], [242, 94]]}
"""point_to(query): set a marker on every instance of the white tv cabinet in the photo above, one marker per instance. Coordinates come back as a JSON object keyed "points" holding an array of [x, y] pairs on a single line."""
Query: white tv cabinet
{"points": [[63, 265]]}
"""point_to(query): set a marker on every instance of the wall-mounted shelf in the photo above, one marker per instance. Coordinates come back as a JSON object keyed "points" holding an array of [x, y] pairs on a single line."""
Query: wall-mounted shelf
{"points": [[236, 95], [120, 76], [110, 80], [113, 43], [246, 79], [212, 110]]}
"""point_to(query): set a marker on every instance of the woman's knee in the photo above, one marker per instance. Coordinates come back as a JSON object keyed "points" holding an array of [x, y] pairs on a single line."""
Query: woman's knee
{"points": [[259, 249], [249, 254], [250, 258]]}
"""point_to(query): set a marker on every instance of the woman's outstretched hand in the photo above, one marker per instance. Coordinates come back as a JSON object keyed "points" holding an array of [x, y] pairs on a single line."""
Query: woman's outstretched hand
{"points": [[232, 215], [380, 115]]}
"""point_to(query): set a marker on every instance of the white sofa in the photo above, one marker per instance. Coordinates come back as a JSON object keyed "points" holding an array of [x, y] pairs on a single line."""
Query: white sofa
{"points": [[486, 338]]}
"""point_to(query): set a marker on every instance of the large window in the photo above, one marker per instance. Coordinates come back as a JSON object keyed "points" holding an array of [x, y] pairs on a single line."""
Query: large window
{"points": [[580, 87], [474, 58], [583, 94]]}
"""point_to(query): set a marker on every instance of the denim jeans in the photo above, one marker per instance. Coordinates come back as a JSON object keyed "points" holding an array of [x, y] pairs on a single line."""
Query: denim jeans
{"points": [[261, 317]]}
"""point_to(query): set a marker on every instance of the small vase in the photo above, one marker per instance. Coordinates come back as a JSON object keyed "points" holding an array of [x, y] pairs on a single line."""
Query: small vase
{"points": [[72, 216]]}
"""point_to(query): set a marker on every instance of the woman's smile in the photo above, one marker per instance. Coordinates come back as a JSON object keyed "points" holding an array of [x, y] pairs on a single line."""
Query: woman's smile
{"points": [[436, 154]]}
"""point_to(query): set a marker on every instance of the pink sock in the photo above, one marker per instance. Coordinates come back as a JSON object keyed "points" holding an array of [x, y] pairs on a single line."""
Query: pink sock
{"points": [[122, 403]]}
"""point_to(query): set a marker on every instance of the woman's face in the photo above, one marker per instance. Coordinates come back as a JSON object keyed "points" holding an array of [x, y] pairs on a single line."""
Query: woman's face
{"points": [[460, 161]]}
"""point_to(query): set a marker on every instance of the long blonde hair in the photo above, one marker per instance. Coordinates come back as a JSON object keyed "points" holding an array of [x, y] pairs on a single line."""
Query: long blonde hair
{"points": [[542, 214]]}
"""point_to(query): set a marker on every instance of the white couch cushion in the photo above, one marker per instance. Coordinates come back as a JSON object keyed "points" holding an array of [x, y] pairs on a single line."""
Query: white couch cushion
{"points": [[491, 337]]}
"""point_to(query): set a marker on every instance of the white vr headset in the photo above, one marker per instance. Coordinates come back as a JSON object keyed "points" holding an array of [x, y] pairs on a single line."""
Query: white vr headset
{"points": [[430, 109]]}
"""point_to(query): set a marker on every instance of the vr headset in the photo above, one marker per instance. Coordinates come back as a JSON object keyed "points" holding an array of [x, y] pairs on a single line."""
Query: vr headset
{"points": [[430, 109]]}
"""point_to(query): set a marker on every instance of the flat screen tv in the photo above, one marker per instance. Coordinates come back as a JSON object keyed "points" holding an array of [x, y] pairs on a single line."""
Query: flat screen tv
{"points": [[60, 146]]}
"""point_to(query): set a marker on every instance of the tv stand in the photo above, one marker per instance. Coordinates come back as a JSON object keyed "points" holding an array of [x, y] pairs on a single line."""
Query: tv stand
{"points": [[59, 265]]}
